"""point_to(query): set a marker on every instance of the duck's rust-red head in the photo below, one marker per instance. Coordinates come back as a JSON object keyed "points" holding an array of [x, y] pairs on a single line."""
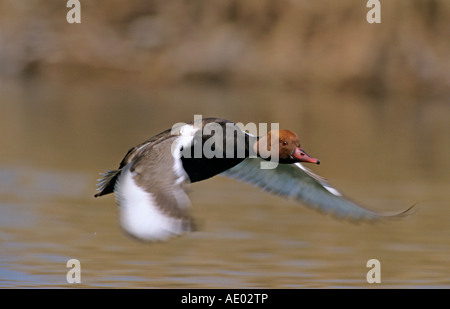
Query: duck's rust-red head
{"points": [[288, 144]]}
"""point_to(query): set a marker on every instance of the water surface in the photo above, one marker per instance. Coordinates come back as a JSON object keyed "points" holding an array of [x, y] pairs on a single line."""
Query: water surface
{"points": [[386, 153]]}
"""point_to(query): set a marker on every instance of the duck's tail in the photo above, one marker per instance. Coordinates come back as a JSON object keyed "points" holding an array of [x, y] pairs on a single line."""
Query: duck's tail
{"points": [[106, 184]]}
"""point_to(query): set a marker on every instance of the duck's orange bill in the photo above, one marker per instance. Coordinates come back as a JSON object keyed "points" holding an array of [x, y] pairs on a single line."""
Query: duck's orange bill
{"points": [[300, 155]]}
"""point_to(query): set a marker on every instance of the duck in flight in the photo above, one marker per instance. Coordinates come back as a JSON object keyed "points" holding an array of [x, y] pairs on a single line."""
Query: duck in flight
{"points": [[151, 180]]}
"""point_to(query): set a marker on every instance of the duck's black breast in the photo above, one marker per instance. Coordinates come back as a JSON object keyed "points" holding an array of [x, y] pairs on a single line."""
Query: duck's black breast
{"points": [[201, 168], [218, 147]]}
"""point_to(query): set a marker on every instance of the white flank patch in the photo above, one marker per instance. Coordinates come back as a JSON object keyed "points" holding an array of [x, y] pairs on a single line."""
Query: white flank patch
{"points": [[186, 136], [139, 214]]}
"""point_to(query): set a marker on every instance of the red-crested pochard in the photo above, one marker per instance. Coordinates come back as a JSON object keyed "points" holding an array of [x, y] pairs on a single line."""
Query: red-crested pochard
{"points": [[150, 182]]}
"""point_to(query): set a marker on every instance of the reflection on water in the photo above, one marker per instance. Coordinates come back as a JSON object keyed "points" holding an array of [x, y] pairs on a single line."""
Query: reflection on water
{"points": [[388, 154]]}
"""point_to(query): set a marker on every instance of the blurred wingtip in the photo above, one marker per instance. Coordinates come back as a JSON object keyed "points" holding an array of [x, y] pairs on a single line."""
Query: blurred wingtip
{"points": [[398, 215], [407, 212], [380, 217]]}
